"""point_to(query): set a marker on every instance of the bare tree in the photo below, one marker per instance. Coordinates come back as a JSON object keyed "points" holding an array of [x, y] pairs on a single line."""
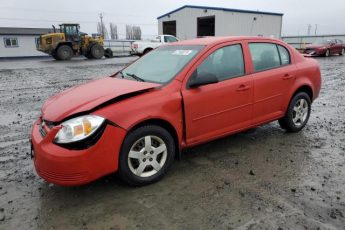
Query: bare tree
{"points": [[113, 31], [133, 32], [101, 29]]}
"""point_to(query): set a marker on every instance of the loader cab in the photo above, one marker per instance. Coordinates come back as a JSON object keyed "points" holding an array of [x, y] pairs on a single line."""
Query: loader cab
{"points": [[71, 32]]}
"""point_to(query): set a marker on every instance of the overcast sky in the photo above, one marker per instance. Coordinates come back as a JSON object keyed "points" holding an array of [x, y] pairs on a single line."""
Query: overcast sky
{"points": [[327, 14]]}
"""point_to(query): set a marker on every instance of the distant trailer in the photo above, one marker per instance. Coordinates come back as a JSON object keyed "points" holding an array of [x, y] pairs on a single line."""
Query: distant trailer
{"points": [[118, 47], [188, 22], [300, 42]]}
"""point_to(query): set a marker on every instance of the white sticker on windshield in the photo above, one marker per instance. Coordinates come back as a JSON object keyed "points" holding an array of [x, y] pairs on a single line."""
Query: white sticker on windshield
{"points": [[182, 52]]}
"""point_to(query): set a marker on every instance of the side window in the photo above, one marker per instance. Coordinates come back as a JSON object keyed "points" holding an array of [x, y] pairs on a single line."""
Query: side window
{"points": [[284, 55], [224, 63], [264, 56], [169, 39], [10, 42]]}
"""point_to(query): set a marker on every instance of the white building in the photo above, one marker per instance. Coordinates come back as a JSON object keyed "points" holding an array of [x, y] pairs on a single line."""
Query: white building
{"points": [[20, 42], [189, 22]]}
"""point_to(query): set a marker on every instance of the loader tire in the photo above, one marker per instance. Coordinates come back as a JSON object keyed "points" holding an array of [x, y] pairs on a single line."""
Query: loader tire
{"points": [[96, 51]]}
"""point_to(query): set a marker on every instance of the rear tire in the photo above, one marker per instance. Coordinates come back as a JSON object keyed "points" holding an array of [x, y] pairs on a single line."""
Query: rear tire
{"points": [[297, 114], [146, 155], [64, 53], [96, 51], [108, 53], [342, 52]]}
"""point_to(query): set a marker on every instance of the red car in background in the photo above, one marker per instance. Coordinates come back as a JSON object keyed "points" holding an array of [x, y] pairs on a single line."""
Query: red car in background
{"points": [[177, 96], [324, 47]]}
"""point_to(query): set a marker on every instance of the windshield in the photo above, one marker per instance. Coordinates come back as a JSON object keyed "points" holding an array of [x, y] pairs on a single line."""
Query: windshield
{"points": [[322, 42], [162, 64]]}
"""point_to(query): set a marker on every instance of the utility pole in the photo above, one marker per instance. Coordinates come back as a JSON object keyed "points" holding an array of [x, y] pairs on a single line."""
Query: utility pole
{"points": [[309, 29], [315, 28], [102, 26]]}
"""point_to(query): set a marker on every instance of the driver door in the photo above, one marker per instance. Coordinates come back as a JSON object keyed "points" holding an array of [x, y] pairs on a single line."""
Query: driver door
{"points": [[221, 108]]}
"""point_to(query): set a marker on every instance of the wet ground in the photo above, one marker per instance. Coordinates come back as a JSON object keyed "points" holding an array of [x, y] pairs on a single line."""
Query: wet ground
{"points": [[261, 179]]}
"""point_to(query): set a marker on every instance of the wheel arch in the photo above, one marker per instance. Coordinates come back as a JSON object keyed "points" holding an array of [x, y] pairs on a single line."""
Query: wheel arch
{"points": [[305, 88], [164, 124], [64, 43]]}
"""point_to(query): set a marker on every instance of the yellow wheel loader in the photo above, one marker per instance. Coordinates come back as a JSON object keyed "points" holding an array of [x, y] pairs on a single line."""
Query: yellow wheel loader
{"points": [[70, 42]]}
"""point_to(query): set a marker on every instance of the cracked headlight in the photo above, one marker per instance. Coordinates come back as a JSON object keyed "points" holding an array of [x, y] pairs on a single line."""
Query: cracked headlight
{"points": [[78, 128]]}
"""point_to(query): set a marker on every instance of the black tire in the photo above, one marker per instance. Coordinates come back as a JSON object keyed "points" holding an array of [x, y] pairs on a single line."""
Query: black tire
{"points": [[125, 171], [147, 51], [96, 51], [287, 122], [328, 53], [108, 53], [89, 56], [55, 57], [342, 52], [64, 53]]}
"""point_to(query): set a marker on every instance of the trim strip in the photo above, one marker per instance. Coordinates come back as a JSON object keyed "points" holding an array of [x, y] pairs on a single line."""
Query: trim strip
{"points": [[220, 112]]}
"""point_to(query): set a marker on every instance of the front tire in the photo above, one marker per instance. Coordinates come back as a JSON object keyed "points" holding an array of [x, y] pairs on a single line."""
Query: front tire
{"points": [[342, 52], [146, 51], [297, 114], [328, 52], [146, 155]]}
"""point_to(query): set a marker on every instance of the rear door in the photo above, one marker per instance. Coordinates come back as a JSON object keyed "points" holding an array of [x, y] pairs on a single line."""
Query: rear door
{"points": [[335, 47], [216, 109], [273, 76]]}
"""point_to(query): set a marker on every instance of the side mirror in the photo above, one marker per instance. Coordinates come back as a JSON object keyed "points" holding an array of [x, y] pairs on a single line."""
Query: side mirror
{"points": [[202, 78]]}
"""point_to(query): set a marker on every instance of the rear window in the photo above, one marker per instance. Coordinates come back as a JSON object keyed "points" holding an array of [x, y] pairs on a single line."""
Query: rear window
{"points": [[267, 56], [284, 55]]}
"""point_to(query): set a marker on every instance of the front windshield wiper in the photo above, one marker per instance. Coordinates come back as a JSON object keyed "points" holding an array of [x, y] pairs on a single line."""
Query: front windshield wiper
{"points": [[122, 76], [135, 77]]}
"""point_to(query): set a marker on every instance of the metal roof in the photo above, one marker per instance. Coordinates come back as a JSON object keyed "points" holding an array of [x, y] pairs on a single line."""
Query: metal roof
{"points": [[220, 8], [214, 40], [25, 31]]}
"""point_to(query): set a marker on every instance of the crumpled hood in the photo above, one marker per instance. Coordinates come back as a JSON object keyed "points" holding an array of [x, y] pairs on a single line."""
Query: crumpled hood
{"points": [[88, 96]]}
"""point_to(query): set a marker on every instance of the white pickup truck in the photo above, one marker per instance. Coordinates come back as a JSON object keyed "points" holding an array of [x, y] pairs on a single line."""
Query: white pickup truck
{"points": [[143, 47]]}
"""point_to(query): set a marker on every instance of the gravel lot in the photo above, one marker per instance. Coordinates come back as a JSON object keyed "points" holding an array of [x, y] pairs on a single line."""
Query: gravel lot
{"points": [[261, 179]]}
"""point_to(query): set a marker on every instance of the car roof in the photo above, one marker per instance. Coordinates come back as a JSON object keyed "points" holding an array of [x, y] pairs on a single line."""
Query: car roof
{"points": [[216, 40]]}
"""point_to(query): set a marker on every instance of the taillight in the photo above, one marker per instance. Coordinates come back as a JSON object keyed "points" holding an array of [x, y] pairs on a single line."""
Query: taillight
{"points": [[135, 46]]}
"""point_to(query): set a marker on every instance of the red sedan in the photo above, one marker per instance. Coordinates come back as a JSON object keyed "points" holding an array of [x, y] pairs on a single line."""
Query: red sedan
{"points": [[325, 48], [136, 121]]}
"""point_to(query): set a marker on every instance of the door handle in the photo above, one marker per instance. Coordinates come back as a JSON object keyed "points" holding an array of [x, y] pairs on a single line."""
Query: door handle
{"points": [[243, 88], [287, 76]]}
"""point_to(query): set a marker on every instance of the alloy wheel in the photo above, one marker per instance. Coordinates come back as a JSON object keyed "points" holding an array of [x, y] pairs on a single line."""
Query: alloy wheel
{"points": [[300, 112], [327, 53], [147, 156]]}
